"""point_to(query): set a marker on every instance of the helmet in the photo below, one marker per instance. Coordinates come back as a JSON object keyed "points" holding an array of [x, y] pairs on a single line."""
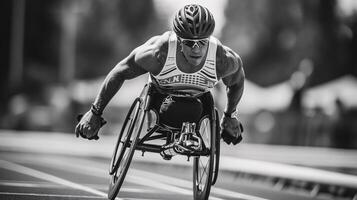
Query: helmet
{"points": [[193, 22]]}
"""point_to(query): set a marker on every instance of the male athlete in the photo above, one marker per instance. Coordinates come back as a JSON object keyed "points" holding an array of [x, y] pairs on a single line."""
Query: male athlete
{"points": [[187, 60]]}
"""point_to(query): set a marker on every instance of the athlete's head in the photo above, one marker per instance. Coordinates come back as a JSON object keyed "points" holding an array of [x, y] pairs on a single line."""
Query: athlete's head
{"points": [[193, 22]]}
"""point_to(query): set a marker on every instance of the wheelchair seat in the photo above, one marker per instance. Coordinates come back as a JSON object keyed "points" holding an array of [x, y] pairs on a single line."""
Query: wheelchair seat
{"points": [[158, 96]]}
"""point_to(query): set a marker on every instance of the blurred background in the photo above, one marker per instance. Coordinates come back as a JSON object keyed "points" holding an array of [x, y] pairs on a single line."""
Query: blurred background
{"points": [[299, 58]]}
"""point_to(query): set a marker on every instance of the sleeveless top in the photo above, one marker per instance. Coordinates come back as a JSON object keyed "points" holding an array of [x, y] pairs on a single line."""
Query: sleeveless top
{"points": [[172, 79]]}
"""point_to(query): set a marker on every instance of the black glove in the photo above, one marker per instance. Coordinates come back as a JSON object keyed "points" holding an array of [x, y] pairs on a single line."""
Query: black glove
{"points": [[228, 138], [231, 130], [79, 132]]}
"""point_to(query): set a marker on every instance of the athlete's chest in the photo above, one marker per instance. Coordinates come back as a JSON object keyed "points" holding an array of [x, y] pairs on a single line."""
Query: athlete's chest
{"points": [[178, 73]]}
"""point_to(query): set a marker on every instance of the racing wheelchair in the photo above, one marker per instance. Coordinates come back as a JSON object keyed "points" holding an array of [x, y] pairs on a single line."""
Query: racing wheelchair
{"points": [[143, 131]]}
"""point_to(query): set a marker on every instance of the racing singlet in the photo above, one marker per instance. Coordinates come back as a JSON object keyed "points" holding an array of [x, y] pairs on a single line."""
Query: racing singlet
{"points": [[171, 78]]}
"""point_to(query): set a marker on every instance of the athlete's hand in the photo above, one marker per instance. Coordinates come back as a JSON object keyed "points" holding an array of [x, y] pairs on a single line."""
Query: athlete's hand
{"points": [[231, 130], [89, 125]]}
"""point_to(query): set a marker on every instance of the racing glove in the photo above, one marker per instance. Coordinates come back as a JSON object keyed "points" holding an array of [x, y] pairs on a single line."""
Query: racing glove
{"points": [[89, 125], [231, 130]]}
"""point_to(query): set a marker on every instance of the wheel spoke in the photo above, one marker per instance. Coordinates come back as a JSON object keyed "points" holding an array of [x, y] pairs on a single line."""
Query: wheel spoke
{"points": [[203, 170], [203, 165]]}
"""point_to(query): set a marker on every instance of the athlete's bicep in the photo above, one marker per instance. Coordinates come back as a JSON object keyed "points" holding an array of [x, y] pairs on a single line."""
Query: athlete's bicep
{"points": [[233, 72], [145, 57], [152, 55], [128, 68], [234, 78], [141, 60]]}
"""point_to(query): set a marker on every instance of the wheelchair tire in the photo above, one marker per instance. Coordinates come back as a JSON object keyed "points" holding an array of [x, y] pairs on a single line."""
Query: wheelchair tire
{"points": [[203, 166], [217, 150], [125, 147]]}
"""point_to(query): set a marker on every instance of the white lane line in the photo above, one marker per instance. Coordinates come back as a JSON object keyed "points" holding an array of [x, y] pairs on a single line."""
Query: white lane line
{"points": [[136, 190], [29, 184], [39, 184], [50, 195], [229, 193], [48, 177]]}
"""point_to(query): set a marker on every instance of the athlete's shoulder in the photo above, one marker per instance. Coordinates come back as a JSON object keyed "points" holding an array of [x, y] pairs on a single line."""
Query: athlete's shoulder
{"points": [[153, 52], [228, 61], [159, 40], [155, 43], [161, 47]]}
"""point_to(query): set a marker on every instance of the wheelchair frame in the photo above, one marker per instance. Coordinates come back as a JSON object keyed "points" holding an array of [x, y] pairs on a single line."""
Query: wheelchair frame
{"points": [[141, 106]]}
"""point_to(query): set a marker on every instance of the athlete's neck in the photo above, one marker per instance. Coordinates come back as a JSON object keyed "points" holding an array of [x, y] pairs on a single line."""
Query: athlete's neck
{"points": [[189, 65]]}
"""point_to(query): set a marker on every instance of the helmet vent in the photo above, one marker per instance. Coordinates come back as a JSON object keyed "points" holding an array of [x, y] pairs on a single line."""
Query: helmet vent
{"points": [[193, 21]]}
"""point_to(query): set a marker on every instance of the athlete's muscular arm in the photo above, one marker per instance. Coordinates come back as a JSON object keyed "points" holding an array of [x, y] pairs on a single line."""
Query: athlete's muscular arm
{"points": [[141, 60], [230, 69], [232, 75], [124, 70]]}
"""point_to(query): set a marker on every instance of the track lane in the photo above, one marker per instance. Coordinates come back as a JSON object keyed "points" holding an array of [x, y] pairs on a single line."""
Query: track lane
{"points": [[155, 181], [48, 177], [143, 181]]}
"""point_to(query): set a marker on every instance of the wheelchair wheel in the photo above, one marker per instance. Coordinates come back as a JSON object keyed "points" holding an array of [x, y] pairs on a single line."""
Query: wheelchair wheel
{"points": [[125, 147], [203, 165], [217, 150]]}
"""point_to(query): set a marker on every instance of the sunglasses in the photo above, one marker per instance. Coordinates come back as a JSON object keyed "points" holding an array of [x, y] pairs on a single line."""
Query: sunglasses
{"points": [[193, 42]]}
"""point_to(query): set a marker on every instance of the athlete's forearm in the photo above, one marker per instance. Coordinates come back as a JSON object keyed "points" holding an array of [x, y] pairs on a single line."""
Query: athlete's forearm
{"points": [[235, 87], [234, 94], [233, 77], [109, 88]]}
